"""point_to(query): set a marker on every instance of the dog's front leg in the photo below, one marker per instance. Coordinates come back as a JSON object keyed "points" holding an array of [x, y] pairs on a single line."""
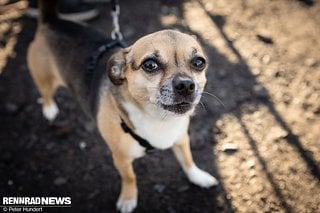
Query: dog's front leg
{"points": [[121, 145], [195, 175], [127, 201], [122, 160]]}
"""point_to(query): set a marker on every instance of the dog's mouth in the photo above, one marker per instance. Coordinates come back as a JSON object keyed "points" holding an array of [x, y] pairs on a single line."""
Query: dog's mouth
{"points": [[178, 108]]}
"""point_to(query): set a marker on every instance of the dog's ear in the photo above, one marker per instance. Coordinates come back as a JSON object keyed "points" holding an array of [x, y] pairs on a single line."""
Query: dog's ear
{"points": [[116, 67]]}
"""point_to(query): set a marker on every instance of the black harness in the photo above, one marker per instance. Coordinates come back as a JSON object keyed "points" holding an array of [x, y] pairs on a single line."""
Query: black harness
{"points": [[143, 142], [96, 56]]}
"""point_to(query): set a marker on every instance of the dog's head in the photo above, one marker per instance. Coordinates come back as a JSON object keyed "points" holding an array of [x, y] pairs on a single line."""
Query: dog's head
{"points": [[161, 72]]}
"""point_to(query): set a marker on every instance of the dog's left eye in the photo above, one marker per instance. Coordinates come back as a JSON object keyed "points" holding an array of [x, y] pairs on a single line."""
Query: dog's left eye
{"points": [[198, 63], [150, 65]]}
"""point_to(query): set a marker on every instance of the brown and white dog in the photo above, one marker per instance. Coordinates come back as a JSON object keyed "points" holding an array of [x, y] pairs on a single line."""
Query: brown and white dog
{"points": [[142, 98]]}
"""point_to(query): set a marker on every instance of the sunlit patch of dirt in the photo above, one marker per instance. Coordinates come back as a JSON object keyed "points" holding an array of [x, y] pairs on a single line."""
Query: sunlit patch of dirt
{"points": [[10, 27]]}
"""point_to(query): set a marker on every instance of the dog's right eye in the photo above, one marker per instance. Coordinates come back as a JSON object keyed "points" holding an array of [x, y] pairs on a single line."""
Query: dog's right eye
{"points": [[150, 66]]}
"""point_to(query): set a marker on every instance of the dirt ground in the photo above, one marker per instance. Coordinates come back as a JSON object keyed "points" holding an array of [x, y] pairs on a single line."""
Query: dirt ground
{"points": [[262, 143]]}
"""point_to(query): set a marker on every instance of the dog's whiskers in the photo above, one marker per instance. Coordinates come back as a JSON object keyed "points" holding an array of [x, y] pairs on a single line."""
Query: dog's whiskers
{"points": [[203, 106], [215, 97], [163, 117]]}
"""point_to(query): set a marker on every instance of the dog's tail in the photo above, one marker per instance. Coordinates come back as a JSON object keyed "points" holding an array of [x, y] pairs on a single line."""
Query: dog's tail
{"points": [[47, 10]]}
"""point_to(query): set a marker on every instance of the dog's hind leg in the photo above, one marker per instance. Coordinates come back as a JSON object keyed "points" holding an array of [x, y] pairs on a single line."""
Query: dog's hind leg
{"points": [[50, 109], [45, 76]]}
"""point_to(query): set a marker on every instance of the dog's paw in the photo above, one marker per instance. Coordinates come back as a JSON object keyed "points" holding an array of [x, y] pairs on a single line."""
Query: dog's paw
{"points": [[50, 112], [126, 206], [200, 177]]}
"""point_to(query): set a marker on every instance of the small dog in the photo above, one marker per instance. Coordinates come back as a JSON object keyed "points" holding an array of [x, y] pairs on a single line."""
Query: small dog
{"points": [[142, 99]]}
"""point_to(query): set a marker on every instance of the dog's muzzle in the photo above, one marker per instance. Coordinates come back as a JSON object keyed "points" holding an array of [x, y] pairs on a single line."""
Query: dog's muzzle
{"points": [[180, 96]]}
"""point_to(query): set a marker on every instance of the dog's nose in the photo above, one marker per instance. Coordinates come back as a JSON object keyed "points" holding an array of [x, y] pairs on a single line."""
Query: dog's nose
{"points": [[183, 85]]}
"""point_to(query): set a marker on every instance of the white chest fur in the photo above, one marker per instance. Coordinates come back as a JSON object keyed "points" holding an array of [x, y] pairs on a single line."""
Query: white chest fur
{"points": [[161, 133]]}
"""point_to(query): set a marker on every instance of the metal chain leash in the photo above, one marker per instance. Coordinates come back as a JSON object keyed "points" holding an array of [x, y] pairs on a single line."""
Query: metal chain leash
{"points": [[117, 38], [116, 34]]}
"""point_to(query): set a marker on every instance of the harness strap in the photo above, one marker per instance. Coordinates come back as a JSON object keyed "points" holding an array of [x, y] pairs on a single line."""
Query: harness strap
{"points": [[143, 142], [92, 75], [96, 56], [100, 51]]}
